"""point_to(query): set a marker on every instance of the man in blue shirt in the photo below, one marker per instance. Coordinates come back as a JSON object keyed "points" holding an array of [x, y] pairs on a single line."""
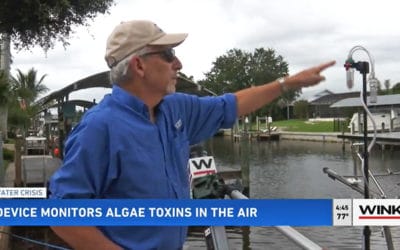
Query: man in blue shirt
{"points": [[135, 143]]}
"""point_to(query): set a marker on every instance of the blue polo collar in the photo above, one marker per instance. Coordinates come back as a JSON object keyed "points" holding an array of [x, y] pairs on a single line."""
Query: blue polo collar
{"points": [[125, 98]]}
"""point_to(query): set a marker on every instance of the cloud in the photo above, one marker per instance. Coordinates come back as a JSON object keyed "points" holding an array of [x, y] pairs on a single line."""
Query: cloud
{"points": [[304, 32]]}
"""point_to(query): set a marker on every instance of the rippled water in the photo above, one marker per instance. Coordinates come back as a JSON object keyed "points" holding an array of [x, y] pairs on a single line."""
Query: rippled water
{"points": [[293, 169], [285, 169]]}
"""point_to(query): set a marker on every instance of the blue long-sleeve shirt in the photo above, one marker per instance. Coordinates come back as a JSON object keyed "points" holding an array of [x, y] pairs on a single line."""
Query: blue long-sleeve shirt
{"points": [[117, 152]]}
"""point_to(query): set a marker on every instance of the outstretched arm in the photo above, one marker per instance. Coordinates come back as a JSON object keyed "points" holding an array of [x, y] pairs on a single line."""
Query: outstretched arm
{"points": [[253, 98]]}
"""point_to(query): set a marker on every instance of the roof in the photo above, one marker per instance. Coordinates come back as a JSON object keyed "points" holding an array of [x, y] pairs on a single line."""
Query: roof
{"points": [[313, 94], [96, 80], [383, 100], [80, 103], [332, 98], [102, 79]]}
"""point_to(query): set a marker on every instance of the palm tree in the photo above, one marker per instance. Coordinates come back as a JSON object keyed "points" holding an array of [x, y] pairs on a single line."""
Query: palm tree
{"points": [[27, 87], [4, 100]]}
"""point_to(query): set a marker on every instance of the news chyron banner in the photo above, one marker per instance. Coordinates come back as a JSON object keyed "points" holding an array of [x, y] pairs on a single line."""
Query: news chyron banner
{"points": [[23, 192], [28, 206], [376, 212], [366, 212]]}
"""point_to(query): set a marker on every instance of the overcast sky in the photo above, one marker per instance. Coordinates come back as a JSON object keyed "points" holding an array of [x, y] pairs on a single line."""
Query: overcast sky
{"points": [[304, 32]]}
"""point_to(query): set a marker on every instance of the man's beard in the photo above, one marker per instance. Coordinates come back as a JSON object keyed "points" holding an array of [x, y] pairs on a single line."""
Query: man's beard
{"points": [[171, 88]]}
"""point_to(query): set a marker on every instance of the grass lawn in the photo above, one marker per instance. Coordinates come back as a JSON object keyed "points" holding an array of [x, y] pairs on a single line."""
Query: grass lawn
{"points": [[304, 126]]}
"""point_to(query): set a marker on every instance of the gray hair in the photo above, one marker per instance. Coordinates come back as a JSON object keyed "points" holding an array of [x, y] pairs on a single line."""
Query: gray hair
{"points": [[121, 73]]}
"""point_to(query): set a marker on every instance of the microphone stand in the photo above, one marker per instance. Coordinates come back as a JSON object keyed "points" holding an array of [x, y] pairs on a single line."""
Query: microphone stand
{"points": [[363, 68]]}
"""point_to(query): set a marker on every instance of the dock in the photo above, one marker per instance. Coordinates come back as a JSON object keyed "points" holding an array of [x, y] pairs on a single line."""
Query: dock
{"points": [[288, 135], [383, 139], [268, 137], [257, 135]]}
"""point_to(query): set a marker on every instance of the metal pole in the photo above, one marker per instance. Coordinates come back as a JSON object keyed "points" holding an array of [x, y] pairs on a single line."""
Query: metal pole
{"points": [[332, 174], [367, 231], [365, 153], [219, 238], [363, 68], [289, 232], [386, 229]]}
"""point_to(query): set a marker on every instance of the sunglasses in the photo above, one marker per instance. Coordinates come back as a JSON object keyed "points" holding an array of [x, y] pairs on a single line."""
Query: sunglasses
{"points": [[167, 55]]}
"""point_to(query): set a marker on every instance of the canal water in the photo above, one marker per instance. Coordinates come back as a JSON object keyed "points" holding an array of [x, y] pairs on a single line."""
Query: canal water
{"points": [[293, 169], [284, 169]]}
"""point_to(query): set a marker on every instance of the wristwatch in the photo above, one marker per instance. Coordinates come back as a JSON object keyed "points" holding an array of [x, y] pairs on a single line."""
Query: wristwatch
{"points": [[281, 81]]}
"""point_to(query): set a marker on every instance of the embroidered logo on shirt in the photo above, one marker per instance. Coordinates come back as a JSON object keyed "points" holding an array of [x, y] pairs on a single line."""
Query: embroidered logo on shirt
{"points": [[178, 124]]}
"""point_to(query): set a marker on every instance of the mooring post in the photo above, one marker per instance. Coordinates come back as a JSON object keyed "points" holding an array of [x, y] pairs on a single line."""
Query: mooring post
{"points": [[17, 161]]}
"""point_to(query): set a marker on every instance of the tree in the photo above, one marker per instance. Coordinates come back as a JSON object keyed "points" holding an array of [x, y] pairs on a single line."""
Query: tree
{"points": [[27, 86], [229, 73], [28, 23], [5, 92], [300, 109], [4, 88], [42, 22], [238, 69], [25, 89], [396, 88], [387, 86], [5, 60]]}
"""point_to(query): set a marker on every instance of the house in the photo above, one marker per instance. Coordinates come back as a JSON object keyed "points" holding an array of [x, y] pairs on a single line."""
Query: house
{"points": [[321, 107], [320, 103], [385, 111], [310, 96]]}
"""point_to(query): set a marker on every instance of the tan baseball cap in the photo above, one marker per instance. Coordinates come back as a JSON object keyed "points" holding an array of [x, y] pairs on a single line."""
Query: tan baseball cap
{"points": [[132, 36]]}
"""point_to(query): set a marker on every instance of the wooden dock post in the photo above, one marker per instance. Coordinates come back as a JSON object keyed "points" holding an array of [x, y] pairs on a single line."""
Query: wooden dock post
{"points": [[17, 160], [245, 165]]}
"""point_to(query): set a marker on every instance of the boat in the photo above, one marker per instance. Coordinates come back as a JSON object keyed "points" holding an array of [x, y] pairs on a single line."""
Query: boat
{"points": [[385, 121], [37, 164]]}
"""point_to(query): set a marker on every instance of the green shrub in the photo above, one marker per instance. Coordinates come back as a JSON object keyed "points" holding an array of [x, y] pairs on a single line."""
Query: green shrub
{"points": [[8, 155], [9, 140]]}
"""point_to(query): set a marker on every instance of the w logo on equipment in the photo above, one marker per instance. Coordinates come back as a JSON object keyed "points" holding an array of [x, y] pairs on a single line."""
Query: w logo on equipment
{"points": [[201, 166]]}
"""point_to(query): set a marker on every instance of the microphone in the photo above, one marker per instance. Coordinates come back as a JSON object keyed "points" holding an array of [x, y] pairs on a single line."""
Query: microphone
{"points": [[373, 88], [349, 72], [350, 78]]}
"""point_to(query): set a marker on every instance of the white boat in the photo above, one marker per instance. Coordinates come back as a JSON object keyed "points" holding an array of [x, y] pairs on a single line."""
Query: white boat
{"points": [[36, 145], [385, 121], [37, 165]]}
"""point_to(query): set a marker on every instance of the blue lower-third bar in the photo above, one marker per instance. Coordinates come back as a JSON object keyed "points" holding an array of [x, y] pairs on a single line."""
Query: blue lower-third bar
{"points": [[132, 212]]}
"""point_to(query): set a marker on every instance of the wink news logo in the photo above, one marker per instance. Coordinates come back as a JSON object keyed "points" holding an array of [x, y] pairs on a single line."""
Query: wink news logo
{"points": [[380, 210], [201, 166], [202, 163], [375, 211]]}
